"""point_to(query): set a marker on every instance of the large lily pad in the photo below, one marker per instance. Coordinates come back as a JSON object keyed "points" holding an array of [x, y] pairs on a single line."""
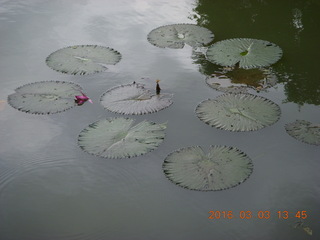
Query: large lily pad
{"points": [[134, 99], [238, 80], [82, 59], [45, 97], [247, 52], [177, 35], [304, 131], [120, 138], [238, 112], [222, 168]]}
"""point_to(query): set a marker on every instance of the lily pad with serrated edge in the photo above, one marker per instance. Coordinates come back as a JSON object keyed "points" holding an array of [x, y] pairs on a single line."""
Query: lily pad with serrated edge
{"points": [[238, 112], [304, 131], [222, 168], [134, 99], [83, 59], [238, 80], [177, 35], [120, 138], [247, 52], [45, 97]]}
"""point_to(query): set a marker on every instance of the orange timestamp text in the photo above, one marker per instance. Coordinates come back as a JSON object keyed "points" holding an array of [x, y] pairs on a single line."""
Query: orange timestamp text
{"points": [[257, 214]]}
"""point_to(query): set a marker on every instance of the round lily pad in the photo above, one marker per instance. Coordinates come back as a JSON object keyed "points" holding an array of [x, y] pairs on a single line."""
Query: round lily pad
{"points": [[247, 52], [134, 99], [120, 138], [238, 112], [221, 168], [45, 97], [176, 35], [238, 80], [304, 131], [82, 59]]}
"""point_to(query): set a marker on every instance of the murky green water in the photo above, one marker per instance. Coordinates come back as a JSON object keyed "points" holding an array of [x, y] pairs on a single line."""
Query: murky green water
{"points": [[50, 189]]}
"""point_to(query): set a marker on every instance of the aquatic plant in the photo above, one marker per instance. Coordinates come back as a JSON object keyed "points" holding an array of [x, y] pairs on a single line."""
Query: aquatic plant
{"points": [[304, 131], [83, 59], [45, 97], [221, 168], [134, 99], [120, 138], [246, 52], [238, 80], [81, 99], [177, 35], [238, 112]]}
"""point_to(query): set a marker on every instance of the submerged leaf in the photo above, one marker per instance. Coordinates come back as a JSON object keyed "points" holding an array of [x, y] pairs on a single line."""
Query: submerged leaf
{"points": [[238, 112], [119, 138], [238, 80], [247, 52], [45, 97], [304, 131], [82, 59], [134, 99], [176, 35], [222, 168]]}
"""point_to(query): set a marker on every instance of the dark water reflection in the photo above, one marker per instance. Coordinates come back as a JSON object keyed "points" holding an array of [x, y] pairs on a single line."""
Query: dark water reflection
{"points": [[293, 25], [50, 189]]}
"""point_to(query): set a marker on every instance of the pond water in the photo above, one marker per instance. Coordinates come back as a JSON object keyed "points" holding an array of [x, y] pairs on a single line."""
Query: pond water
{"points": [[51, 189]]}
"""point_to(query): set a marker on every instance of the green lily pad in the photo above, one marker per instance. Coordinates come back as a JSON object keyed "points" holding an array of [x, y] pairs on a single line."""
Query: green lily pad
{"points": [[238, 80], [177, 35], [247, 52], [120, 138], [134, 99], [304, 131], [238, 112], [222, 168], [45, 97], [82, 59]]}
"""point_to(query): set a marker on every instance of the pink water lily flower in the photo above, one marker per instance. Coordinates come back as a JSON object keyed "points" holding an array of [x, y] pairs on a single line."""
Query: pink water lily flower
{"points": [[81, 99]]}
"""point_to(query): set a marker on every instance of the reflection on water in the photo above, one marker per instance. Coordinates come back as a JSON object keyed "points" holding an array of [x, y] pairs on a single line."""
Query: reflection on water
{"points": [[290, 24], [50, 189]]}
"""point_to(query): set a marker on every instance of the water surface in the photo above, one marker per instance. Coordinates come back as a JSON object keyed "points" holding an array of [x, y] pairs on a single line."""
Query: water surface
{"points": [[50, 189]]}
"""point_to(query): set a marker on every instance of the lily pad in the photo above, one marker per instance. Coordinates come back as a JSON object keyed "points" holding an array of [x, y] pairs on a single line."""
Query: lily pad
{"points": [[134, 99], [247, 52], [304, 131], [238, 112], [82, 59], [177, 35], [238, 80], [120, 138], [45, 97], [222, 168]]}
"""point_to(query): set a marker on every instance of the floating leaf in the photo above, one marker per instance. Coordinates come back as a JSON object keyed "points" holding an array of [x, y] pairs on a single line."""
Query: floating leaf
{"points": [[238, 112], [247, 52], [134, 99], [45, 97], [222, 168], [119, 138], [302, 225], [176, 35], [82, 59], [304, 131]]}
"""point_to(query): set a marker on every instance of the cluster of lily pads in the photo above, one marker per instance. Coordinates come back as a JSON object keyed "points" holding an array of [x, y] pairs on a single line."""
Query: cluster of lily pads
{"points": [[222, 167]]}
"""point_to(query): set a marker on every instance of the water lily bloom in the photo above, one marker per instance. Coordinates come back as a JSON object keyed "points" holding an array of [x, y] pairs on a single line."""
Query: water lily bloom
{"points": [[81, 99]]}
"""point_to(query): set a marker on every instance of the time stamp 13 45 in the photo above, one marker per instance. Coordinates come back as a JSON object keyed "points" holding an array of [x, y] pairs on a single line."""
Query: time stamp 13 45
{"points": [[215, 215]]}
